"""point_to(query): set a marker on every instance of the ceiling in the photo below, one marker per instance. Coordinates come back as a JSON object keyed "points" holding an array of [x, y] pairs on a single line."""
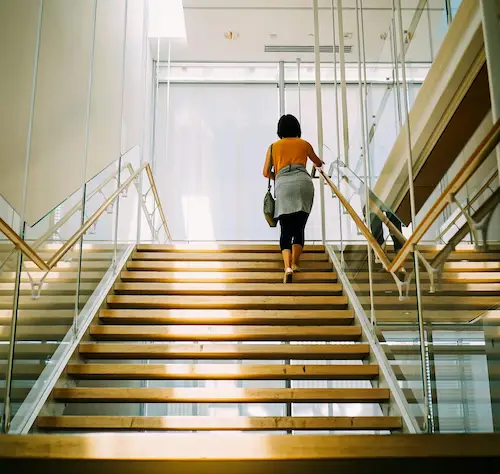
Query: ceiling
{"points": [[260, 23]]}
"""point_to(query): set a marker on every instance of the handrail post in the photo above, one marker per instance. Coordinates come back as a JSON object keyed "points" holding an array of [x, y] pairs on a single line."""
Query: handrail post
{"points": [[364, 151], [420, 309], [12, 342], [319, 115]]}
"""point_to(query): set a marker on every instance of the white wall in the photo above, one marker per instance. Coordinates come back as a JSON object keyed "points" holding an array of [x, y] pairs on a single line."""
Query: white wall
{"points": [[61, 156]]}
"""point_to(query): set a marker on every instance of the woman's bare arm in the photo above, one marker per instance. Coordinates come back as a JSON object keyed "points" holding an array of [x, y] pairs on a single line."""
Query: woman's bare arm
{"points": [[267, 164], [313, 157]]}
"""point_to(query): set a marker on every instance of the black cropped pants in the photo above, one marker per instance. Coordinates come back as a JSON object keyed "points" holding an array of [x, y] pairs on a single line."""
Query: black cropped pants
{"points": [[293, 229]]}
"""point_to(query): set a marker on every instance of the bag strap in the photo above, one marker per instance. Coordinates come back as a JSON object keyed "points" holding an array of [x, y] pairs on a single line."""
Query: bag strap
{"points": [[270, 168]]}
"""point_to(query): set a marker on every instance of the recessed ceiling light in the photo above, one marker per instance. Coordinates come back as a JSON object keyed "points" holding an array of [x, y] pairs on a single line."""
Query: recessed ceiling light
{"points": [[231, 35]]}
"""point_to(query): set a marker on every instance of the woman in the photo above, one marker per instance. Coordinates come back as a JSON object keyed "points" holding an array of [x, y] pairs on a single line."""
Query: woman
{"points": [[294, 189]]}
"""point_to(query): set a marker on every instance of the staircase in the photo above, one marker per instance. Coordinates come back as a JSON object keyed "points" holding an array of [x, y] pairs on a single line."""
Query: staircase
{"points": [[210, 339]]}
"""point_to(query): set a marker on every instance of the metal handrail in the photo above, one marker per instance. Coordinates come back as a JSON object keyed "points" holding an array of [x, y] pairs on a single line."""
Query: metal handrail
{"points": [[30, 253], [478, 157]]}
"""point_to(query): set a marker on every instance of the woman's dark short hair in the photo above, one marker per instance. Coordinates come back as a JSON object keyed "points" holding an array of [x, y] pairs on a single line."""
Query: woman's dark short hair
{"points": [[289, 127]]}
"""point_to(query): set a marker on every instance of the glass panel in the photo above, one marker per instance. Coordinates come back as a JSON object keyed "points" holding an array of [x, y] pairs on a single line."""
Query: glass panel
{"points": [[46, 315], [461, 310]]}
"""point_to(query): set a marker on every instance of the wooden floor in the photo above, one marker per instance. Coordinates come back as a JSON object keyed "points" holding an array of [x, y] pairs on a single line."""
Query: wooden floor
{"points": [[155, 453]]}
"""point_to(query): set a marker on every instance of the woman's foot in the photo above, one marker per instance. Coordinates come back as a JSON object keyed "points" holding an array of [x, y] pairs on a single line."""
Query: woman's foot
{"points": [[288, 276], [295, 268]]}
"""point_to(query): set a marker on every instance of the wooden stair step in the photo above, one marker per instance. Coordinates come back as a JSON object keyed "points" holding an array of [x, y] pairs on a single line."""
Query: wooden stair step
{"points": [[98, 266], [452, 257], [49, 289], [222, 248], [225, 333], [39, 317], [187, 266], [433, 301], [224, 257], [210, 371], [226, 277], [29, 351], [215, 316], [207, 423], [24, 371], [54, 277], [447, 277], [446, 289], [229, 289], [224, 351], [227, 302], [49, 302], [228, 395], [34, 333], [409, 314]]}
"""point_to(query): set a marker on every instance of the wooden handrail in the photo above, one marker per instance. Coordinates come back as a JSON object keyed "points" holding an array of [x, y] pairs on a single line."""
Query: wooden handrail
{"points": [[76, 208], [359, 223], [469, 204], [158, 201], [22, 245], [479, 155], [61, 252]]}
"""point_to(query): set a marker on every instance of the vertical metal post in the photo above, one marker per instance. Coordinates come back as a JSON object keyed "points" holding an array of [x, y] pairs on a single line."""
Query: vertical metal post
{"points": [[117, 205], [144, 61], [396, 66], [298, 86], [337, 130], [490, 15], [345, 119], [365, 168], [15, 304], [281, 86], [449, 14], [85, 160], [319, 112], [420, 309], [12, 342], [365, 87]]}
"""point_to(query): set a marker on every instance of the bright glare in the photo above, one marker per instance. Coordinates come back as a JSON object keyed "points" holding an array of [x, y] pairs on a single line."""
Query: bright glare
{"points": [[166, 19]]}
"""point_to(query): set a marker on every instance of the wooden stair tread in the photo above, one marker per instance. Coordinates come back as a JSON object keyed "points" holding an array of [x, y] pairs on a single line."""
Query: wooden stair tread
{"points": [[227, 302], [34, 333], [224, 257], [229, 289], [225, 351], [433, 301], [39, 317], [445, 289], [211, 371], [207, 423], [447, 277], [222, 248], [228, 395], [226, 277], [215, 316], [49, 289], [224, 266], [224, 333]]}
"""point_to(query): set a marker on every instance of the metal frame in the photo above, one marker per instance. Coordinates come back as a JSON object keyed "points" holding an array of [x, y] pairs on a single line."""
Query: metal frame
{"points": [[398, 402], [27, 413]]}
